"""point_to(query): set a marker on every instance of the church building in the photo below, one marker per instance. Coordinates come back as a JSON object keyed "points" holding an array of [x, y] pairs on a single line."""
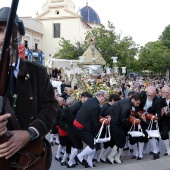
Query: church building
{"points": [[57, 20]]}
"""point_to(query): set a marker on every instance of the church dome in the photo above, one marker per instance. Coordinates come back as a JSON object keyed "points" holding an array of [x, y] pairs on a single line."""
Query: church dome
{"points": [[90, 15]]}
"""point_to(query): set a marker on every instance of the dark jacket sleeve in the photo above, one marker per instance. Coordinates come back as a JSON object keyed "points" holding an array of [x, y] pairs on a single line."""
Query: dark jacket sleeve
{"points": [[114, 112], [73, 112], [47, 114], [103, 110]]}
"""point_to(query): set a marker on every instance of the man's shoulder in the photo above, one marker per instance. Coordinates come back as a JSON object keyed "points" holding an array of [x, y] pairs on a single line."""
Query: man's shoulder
{"points": [[34, 64], [157, 99]]}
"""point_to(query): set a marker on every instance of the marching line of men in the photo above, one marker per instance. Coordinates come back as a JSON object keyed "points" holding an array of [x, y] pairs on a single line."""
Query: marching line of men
{"points": [[78, 123]]}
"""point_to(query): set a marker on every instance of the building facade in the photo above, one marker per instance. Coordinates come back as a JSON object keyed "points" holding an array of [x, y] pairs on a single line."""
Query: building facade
{"points": [[57, 20]]}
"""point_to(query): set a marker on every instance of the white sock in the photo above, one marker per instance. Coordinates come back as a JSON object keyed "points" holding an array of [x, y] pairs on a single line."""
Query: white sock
{"points": [[101, 153], [112, 154], [153, 144], [130, 146], [59, 148], [85, 152], [74, 152], [150, 147], [157, 145], [57, 138], [65, 157], [97, 154], [145, 148], [90, 158], [106, 153], [63, 149], [141, 144], [166, 142], [126, 144], [51, 137], [117, 156], [135, 150]]}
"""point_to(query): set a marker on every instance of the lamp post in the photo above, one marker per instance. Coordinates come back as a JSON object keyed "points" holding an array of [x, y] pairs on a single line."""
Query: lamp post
{"points": [[115, 62], [123, 70]]}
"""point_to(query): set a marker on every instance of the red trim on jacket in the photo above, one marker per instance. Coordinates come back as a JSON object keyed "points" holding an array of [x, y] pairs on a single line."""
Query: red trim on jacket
{"points": [[77, 124], [62, 132]]}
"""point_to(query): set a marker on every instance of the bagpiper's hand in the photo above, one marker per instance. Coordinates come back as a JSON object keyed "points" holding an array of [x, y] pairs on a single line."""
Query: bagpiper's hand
{"points": [[17, 141], [3, 123]]}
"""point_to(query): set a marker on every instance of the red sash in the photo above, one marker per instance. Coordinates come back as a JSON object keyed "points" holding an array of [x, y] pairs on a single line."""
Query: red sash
{"points": [[77, 124]]}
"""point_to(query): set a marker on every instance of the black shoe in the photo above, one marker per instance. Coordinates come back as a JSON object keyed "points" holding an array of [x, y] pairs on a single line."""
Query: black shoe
{"points": [[58, 159], [166, 154], [84, 162], [56, 143], [87, 166], [94, 160], [71, 166], [63, 163], [155, 156], [151, 152], [134, 157], [126, 148], [108, 161], [101, 160], [139, 158], [62, 153]]}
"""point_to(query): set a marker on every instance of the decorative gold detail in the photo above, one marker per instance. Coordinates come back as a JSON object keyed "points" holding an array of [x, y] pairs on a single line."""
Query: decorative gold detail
{"points": [[31, 98], [28, 75], [15, 96]]}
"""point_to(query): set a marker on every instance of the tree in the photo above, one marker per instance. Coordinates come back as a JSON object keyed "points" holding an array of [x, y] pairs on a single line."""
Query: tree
{"points": [[154, 56], [107, 43], [70, 51], [165, 36]]}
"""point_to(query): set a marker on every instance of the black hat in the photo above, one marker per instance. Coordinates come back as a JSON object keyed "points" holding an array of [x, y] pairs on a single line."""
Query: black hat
{"points": [[4, 14]]}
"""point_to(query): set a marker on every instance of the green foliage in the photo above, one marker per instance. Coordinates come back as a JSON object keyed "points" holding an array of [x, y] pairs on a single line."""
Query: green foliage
{"points": [[70, 51], [107, 43], [154, 56], [165, 37]]}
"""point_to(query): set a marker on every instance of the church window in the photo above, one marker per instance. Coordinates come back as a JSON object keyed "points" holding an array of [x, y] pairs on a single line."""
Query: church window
{"points": [[56, 30]]}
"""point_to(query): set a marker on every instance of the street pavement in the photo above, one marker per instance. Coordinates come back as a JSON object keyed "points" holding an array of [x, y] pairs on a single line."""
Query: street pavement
{"points": [[128, 164]]}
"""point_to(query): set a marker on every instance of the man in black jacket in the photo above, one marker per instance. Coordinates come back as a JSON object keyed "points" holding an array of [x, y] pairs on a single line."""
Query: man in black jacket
{"points": [[107, 146], [86, 125], [165, 119], [151, 104], [77, 143], [32, 100], [120, 112], [64, 139]]}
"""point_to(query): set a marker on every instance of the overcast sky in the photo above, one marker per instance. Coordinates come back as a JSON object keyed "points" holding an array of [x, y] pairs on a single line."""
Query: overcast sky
{"points": [[144, 20]]}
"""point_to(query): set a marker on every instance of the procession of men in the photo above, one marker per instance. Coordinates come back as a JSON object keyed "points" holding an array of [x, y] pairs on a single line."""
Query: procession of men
{"points": [[135, 101]]}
